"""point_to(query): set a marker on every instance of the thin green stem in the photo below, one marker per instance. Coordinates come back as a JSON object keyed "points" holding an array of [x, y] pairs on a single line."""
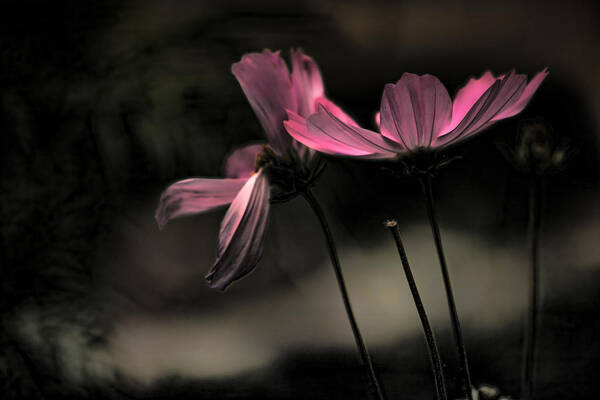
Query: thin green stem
{"points": [[374, 387], [529, 351], [434, 354], [460, 345]]}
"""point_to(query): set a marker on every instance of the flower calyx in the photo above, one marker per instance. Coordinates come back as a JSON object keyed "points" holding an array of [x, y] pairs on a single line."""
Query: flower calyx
{"points": [[288, 177], [424, 162]]}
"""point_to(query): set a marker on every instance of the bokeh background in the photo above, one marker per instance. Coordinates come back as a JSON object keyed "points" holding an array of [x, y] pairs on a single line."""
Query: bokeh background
{"points": [[103, 104]]}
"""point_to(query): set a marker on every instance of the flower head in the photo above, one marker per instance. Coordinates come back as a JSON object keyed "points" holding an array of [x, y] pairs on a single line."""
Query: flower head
{"points": [[417, 114], [256, 174]]}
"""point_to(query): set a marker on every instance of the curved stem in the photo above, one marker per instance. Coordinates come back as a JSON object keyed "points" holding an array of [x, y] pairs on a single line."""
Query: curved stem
{"points": [[434, 355], [535, 219], [374, 387], [460, 345]]}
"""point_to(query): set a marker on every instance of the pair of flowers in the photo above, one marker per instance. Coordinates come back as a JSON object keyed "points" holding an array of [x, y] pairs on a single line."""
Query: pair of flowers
{"points": [[417, 115]]}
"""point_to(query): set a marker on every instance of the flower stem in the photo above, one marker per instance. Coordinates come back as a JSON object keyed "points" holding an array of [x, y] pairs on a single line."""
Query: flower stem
{"points": [[434, 355], [529, 352], [460, 345], [374, 387]]}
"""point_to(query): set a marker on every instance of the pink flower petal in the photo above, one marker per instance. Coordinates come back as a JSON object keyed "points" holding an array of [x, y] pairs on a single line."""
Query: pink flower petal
{"points": [[196, 195], [414, 110], [509, 90], [265, 79], [241, 237], [472, 116], [501, 96], [467, 96], [378, 119], [334, 109], [241, 162], [296, 127], [307, 81], [525, 97], [324, 132]]}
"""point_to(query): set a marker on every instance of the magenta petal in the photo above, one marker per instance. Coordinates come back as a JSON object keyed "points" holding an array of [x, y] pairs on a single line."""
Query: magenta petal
{"points": [[196, 195], [334, 110], [472, 117], [467, 96], [325, 133], [414, 110], [525, 97], [510, 89], [307, 81], [241, 162], [502, 95], [511, 92], [296, 127], [241, 237], [265, 79]]}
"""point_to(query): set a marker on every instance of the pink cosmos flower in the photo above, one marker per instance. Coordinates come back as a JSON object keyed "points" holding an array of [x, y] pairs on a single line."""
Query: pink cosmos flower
{"points": [[417, 113], [260, 173]]}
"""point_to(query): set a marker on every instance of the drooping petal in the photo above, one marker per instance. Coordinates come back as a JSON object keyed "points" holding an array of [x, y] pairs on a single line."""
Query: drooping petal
{"points": [[241, 236], [266, 81], [414, 110], [195, 195], [240, 163], [307, 82], [324, 132], [525, 97]]}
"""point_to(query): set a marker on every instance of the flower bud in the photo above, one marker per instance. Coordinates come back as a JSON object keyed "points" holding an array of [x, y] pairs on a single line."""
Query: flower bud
{"points": [[537, 148]]}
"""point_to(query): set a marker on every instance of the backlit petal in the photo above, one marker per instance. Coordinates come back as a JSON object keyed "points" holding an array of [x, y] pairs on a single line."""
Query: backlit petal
{"points": [[414, 110], [307, 81], [241, 236], [334, 110], [501, 96], [505, 97], [240, 163], [467, 96], [525, 97], [195, 195], [326, 133], [265, 79], [472, 116]]}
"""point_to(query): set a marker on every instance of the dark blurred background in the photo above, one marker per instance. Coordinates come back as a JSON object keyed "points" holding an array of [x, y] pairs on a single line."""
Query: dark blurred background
{"points": [[103, 104]]}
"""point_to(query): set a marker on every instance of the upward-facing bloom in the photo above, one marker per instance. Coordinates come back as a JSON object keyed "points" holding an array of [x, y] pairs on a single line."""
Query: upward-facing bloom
{"points": [[258, 173], [417, 113]]}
